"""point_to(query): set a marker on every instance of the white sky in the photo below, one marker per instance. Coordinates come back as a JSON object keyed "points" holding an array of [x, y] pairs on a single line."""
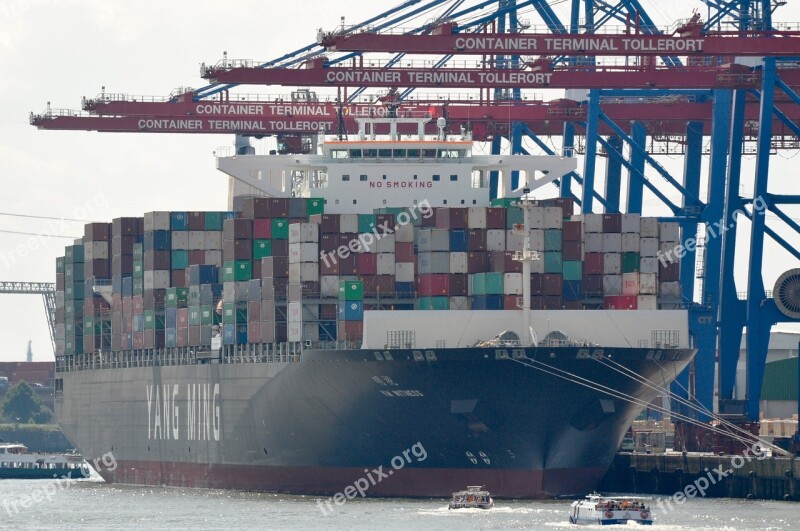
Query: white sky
{"points": [[62, 50]]}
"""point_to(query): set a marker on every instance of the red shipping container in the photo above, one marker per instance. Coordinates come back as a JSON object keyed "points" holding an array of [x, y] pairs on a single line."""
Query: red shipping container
{"points": [[178, 278], [496, 218], [571, 231], [476, 240], [279, 207], [182, 317], [428, 222], [511, 302], [280, 248], [385, 223], [256, 270], [197, 221], [537, 303], [571, 250], [348, 265], [138, 304], [254, 332], [329, 266], [551, 302], [138, 340], [497, 261], [195, 336], [370, 283], [254, 311], [262, 229], [477, 262], [386, 284], [612, 223], [328, 243], [404, 252], [97, 232], [126, 226], [275, 267], [256, 208], [620, 302], [537, 284], [328, 312], [552, 284], [367, 264], [433, 285], [592, 285], [237, 229], [351, 330], [572, 305], [127, 305], [181, 336], [669, 272], [328, 223], [593, 263], [459, 285], [197, 257]]}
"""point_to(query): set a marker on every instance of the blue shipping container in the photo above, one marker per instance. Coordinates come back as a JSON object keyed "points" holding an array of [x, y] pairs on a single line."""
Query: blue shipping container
{"points": [[210, 293], [487, 302], [170, 337], [158, 240], [229, 334], [572, 290], [351, 311], [127, 286], [137, 322], [202, 274], [327, 330], [241, 334], [405, 290], [179, 221], [171, 318], [458, 240]]}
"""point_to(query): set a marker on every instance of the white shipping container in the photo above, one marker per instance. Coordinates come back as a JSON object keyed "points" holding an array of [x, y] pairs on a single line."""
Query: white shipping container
{"points": [[459, 303], [648, 227], [385, 244], [553, 217], [404, 272], [648, 264], [329, 285], [197, 240], [348, 223], [404, 233], [294, 272], [612, 285], [514, 242], [670, 290], [593, 223], [180, 240], [630, 283], [630, 242], [303, 233], [476, 218], [648, 247], [631, 223], [311, 332], [669, 232], [669, 250], [156, 221], [648, 283], [440, 240], [229, 291], [612, 243], [294, 331], [212, 240], [424, 240], [311, 312], [612, 265], [433, 263], [59, 299], [309, 272], [241, 290], [387, 266], [537, 266], [495, 240], [593, 242], [95, 251], [158, 279], [458, 263], [213, 258], [536, 239], [647, 302], [512, 284], [537, 218]]}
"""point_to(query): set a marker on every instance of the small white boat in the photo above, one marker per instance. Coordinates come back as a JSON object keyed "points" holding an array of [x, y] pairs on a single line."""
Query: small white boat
{"points": [[472, 498], [602, 510]]}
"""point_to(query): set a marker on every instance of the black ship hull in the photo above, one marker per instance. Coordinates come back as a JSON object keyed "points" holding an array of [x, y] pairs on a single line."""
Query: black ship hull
{"points": [[396, 423]]}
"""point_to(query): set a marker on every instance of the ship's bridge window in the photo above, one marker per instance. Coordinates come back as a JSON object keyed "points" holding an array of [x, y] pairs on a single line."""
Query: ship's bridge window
{"points": [[429, 153], [339, 153], [413, 153], [370, 153], [448, 154], [399, 153], [385, 153], [355, 153]]}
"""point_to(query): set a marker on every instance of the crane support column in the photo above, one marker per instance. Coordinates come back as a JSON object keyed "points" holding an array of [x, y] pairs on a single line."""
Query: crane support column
{"points": [[592, 124], [614, 175], [636, 185]]}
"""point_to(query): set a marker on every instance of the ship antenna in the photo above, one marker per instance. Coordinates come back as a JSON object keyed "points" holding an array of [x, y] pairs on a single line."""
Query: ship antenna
{"points": [[526, 256]]}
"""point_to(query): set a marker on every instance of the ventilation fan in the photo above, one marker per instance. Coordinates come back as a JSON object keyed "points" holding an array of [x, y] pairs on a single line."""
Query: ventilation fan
{"points": [[787, 293]]}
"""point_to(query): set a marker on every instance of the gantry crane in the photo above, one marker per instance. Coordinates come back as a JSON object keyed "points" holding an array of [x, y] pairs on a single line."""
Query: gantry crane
{"points": [[48, 292], [735, 103]]}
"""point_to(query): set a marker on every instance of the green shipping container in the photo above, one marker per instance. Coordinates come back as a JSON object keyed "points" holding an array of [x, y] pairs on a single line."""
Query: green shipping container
{"points": [[514, 216], [138, 286], [280, 229], [477, 283], [630, 262], [573, 270], [228, 312], [241, 315], [552, 240], [213, 221], [195, 316], [138, 269], [235, 271], [138, 251], [366, 222], [552, 262], [180, 259], [262, 249], [74, 273], [494, 283], [60, 264], [73, 254], [315, 205], [504, 202], [177, 297], [209, 315], [149, 319], [351, 290], [434, 303]]}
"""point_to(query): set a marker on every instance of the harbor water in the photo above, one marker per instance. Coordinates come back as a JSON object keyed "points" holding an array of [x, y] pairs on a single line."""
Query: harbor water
{"points": [[45, 504]]}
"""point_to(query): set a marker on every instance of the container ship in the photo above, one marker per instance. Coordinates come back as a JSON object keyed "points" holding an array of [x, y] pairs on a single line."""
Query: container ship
{"points": [[367, 309]]}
